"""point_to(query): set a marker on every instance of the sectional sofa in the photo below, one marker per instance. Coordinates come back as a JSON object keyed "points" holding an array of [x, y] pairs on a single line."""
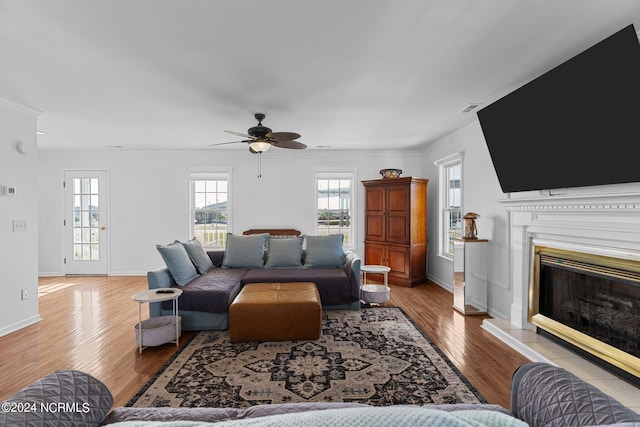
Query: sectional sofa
{"points": [[211, 280], [541, 395]]}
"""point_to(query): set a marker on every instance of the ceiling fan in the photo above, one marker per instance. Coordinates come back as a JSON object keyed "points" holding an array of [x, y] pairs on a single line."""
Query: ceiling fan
{"points": [[261, 138]]}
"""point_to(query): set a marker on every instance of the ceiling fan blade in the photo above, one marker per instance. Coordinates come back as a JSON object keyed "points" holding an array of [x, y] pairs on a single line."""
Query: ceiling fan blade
{"points": [[232, 142], [283, 136], [244, 135], [289, 144]]}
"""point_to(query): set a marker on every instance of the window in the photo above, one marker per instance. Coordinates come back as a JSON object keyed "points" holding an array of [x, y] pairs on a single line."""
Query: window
{"points": [[450, 202], [334, 205], [209, 213]]}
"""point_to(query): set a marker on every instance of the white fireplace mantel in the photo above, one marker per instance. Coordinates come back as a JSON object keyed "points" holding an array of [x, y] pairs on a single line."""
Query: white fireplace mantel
{"points": [[600, 223]]}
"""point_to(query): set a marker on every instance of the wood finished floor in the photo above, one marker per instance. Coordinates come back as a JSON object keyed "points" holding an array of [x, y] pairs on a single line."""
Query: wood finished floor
{"points": [[87, 324]]}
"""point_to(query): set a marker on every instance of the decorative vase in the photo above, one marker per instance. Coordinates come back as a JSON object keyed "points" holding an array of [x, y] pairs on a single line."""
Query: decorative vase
{"points": [[390, 173]]}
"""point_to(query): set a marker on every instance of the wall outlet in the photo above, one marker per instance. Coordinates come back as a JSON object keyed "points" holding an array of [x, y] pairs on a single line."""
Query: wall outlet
{"points": [[24, 294]]}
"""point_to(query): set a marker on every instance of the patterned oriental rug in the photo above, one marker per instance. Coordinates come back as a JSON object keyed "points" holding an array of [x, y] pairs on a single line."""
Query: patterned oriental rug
{"points": [[375, 356]]}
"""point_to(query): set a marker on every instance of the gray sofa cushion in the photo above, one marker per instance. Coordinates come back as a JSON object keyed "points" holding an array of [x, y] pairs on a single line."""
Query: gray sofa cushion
{"points": [[211, 292], [178, 262], [378, 416], [258, 411], [284, 253], [245, 251], [198, 255], [543, 394], [218, 414], [324, 251], [68, 398]]}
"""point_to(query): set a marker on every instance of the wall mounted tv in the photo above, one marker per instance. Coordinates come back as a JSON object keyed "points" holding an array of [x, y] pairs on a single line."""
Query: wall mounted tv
{"points": [[576, 125]]}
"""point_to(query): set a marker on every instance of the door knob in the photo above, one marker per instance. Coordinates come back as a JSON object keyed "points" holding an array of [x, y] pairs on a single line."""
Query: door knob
{"points": [[103, 228]]}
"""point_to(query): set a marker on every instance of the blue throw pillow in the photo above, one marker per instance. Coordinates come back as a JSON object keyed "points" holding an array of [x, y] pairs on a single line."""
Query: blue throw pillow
{"points": [[178, 262], [324, 251], [198, 255], [284, 253], [245, 251]]}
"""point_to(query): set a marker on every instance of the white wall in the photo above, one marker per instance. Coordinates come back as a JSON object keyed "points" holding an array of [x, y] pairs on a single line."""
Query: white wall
{"points": [[148, 199], [481, 192], [19, 249]]}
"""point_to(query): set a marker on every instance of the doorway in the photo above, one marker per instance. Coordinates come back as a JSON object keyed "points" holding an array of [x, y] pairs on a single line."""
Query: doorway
{"points": [[86, 219]]}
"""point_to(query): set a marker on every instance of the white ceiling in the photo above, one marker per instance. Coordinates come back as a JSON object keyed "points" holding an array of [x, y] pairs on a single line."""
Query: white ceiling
{"points": [[349, 74]]}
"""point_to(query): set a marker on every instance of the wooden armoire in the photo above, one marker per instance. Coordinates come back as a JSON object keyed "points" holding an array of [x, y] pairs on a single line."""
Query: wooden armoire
{"points": [[396, 228]]}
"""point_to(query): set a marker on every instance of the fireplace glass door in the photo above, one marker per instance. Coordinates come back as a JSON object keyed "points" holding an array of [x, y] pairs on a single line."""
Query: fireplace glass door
{"points": [[590, 301]]}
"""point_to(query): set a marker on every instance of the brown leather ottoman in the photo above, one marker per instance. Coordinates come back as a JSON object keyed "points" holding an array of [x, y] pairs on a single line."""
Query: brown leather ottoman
{"points": [[276, 312]]}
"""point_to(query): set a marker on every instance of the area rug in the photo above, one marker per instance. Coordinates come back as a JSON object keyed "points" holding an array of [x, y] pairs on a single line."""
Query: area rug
{"points": [[375, 356]]}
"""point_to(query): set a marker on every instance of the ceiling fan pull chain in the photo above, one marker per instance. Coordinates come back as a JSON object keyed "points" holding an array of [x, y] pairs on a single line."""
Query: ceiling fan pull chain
{"points": [[259, 164]]}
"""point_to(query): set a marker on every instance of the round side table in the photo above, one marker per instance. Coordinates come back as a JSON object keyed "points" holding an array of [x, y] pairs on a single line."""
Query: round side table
{"points": [[158, 295], [375, 294]]}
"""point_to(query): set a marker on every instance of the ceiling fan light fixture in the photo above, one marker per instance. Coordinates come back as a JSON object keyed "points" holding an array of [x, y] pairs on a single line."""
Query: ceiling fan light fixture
{"points": [[260, 146]]}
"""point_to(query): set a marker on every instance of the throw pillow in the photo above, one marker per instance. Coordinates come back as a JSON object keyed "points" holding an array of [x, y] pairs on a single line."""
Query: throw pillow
{"points": [[178, 262], [284, 253], [324, 251], [245, 251], [198, 255]]}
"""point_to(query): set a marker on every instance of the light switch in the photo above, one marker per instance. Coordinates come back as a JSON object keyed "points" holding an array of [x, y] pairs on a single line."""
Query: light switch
{"points": [[19, 225]]}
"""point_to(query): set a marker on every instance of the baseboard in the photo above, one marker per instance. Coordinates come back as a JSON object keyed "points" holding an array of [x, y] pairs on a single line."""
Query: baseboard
{"points": [[50, 274], [113, 273], [19, 325], [128, 273], [448, 287]]}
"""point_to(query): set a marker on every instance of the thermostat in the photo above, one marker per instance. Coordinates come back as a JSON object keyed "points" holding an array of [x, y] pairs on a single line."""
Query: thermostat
{"points": [[7, 191]]}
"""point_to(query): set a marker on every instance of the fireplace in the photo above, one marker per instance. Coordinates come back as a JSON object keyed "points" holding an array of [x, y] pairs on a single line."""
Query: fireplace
{"points": [[591, 303], [603, 222]]}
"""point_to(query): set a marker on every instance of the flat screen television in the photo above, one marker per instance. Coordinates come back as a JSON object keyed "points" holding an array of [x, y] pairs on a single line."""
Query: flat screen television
{"points": [[576, 125]]}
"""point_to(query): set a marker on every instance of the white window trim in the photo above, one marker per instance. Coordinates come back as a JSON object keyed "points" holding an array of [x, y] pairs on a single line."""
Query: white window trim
{"points": [[209, 173], [341, 173], [442, 165]]}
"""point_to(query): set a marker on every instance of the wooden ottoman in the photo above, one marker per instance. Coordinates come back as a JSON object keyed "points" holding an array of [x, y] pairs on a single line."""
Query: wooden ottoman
{"points": [[276, 312]]}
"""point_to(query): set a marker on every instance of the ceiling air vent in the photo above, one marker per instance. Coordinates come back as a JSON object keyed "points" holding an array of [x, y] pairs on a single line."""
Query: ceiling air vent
{"points": [[469, 108]]}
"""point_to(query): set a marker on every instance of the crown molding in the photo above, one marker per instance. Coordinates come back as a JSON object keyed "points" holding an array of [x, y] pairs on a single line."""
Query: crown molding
{"points": [[460, 132], [20, 107]]}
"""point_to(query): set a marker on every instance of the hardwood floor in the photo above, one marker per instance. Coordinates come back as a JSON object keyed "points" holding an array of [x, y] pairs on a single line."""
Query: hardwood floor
{"points": [[88, 324], [487, 362]]}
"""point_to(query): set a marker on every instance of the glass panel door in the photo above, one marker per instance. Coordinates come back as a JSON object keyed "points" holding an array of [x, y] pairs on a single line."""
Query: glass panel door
{"points": [[85, 222]]}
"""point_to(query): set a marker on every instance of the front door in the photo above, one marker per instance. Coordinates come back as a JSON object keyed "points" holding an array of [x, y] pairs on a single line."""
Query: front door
{"points": [[86, 222]]}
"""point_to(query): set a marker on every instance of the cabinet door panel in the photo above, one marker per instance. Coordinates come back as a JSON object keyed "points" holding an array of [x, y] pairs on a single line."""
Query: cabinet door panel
{"points": [[374, 227], [374, 254], [398, 261], [398, 229], [399, 197], [375, 200], [398, 214]]}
